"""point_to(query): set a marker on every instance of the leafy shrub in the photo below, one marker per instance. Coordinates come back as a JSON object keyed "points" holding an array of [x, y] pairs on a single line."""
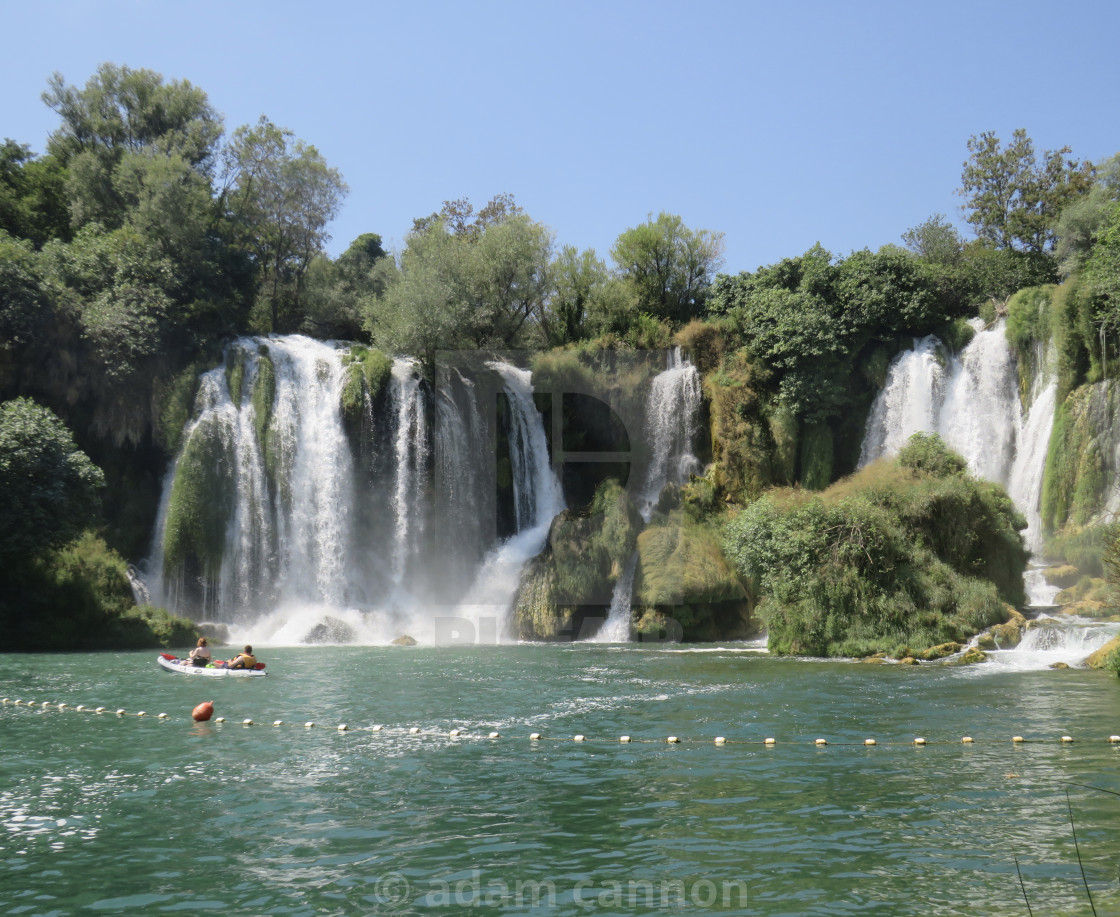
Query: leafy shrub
{"points": [[79, 597], [897, 556]]}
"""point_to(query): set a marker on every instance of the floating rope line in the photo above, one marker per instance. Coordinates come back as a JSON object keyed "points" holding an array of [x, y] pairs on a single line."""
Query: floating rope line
{"points": [[579, 738]]}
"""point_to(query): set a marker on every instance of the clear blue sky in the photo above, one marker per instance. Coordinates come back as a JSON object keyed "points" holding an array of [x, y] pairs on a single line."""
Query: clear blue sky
{"points": [[779, 124]]}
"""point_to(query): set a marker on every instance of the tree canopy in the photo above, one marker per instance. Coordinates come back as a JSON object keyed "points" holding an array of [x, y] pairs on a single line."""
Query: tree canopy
{"points": [[1013, 199], [668, 265]]}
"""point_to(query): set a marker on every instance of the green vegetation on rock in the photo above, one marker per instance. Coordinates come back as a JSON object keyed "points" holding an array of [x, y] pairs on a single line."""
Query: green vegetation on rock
{"points": [[683, 576], [901, 557], [583, 558], [367, 371], [199, 506]]}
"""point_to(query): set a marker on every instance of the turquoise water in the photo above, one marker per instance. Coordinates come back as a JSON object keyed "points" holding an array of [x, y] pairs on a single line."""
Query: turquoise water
{"points": [[126, 815]]}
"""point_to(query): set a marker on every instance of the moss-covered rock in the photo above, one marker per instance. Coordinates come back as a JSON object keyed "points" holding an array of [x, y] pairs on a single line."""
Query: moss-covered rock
{"points": [[1063, 576], [539, 614], [367, 372], [940, 651], [1008, 635], [683, 574], [1107, 657], [900, 557], [970, 656], [200, 504], [743, 448], [1081, 467], [574, 575]]}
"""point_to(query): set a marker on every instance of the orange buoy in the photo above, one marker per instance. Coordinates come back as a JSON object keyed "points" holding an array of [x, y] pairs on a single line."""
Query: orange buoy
{"points": [[203, 711]]}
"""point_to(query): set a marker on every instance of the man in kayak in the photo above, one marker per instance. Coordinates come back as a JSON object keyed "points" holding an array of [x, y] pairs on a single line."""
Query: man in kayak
{"points": [[244, 660]]}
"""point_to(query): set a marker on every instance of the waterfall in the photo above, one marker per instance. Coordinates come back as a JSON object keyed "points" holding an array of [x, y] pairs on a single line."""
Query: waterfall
{"points": [[537, 499], [316, 466], [671, 412], [972, 402], [410, 449], [290, 522]]}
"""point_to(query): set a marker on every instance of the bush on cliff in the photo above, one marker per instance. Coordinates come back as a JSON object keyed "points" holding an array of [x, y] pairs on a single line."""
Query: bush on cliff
{"points": [[900, 557]]}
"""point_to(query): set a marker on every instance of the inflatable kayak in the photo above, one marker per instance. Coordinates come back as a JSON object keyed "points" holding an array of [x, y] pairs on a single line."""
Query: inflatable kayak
{"points": [[216, 669]]}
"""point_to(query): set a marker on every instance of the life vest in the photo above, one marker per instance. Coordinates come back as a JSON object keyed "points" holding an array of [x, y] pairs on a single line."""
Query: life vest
{"points": [[245, 661]]}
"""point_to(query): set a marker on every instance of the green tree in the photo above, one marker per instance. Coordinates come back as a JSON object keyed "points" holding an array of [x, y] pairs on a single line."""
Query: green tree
{"points": [[1014, 200], [669, 266], [480, 289], [421, 311], [1083, 218], [24, 309], [336, 291], [32, 195], [121, 113], [577, 279], [888, 292], [281, 194], [49, 490], [936, 241]]}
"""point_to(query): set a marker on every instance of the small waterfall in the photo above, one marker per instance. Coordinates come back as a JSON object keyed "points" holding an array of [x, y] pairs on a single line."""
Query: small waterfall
{"points": [[140, 593], [671, 412], [1054, 639], [537, 499], [616, 628]]}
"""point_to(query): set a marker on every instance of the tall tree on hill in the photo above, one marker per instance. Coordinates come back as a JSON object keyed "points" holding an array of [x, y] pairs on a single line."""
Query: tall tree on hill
{"points": [[123, 114], [281, 194], [669, 266], [1012, 198]]}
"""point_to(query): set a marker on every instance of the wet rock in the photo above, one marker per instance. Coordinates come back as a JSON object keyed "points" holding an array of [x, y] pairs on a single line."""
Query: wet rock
{"points": [[330, 630], [970, 656], [404, 640]]}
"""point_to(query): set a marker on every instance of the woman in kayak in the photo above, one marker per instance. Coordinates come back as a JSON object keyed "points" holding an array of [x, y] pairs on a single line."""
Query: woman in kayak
{"points": [[200, 655]]}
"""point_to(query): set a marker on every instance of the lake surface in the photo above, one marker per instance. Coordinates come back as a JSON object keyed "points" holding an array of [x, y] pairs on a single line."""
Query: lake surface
{"points": [[107, 814]]}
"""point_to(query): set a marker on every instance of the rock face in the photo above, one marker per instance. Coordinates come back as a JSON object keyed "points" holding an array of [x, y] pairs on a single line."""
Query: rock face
{"points": [[404, 640], [683, 575]]}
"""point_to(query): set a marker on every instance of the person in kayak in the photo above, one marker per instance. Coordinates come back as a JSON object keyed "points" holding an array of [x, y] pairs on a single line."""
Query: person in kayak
{"points": [[244, 660], [200, 655]]}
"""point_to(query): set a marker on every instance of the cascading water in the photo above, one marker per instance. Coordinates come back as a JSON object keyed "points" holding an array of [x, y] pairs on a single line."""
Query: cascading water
{"points": [[537, 499], [972, 402], [290, 522], [670, 419], [671, 411], [410, 449]]}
